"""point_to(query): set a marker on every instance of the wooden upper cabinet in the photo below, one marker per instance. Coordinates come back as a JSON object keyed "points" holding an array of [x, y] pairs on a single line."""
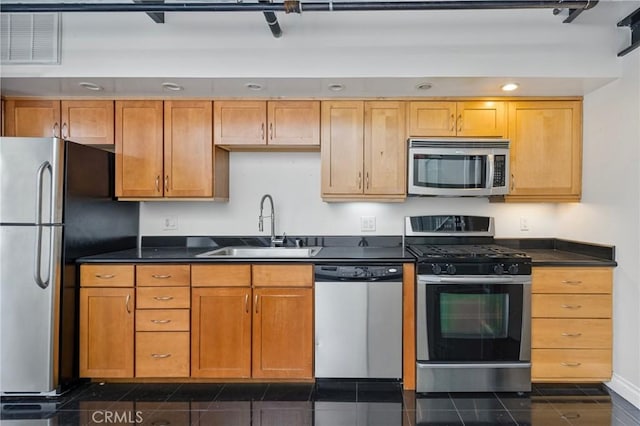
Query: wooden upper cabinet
{"points": [[262, 123], [188, 149], [461, 119], [385, 149], [363, 150], [294, 122], [32, 118], [342, 147], [240, 122], [139, 149], [88, 122], [546, 150]]}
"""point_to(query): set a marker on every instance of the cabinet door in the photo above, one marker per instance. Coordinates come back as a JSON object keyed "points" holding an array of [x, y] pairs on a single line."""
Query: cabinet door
{"points": [[88, 122], [342, 147], [106, 332], [139, 150], [481, 118], [294, 122], [432, 118], [188, 149], [385, 148], [240, 122], [32, 118], [546, 150], [283, 333], [221, 332]]}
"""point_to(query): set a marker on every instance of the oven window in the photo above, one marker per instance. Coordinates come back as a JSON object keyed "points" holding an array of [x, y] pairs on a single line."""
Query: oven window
{"points": [[450, 171], [474, 316], [474, 322]]}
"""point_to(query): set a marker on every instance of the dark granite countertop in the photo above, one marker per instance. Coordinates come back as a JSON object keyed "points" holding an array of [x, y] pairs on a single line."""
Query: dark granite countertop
{"points": [[543, 251]]}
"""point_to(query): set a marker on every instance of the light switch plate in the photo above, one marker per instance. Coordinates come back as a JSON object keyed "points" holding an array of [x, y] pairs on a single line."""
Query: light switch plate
{"points": [[170, 223], [367, 223]]}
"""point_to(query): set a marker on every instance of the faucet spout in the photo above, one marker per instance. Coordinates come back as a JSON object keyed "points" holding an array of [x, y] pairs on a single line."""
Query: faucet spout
{"points": [[274, 241]]}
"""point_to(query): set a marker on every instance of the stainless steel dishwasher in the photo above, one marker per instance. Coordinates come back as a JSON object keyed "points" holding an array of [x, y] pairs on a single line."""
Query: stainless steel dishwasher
{"points": [[358, 321]]}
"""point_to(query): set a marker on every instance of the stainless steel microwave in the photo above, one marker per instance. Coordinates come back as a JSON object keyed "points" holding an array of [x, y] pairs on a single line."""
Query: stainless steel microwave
{"points": [[458, 167]]}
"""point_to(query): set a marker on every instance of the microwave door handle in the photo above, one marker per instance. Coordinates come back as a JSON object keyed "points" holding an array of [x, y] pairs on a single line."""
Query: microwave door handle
{"points": [[490, 171]]}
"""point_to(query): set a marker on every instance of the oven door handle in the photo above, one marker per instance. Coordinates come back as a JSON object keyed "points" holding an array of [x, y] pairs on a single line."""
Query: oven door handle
{"points": [[476, 279]]}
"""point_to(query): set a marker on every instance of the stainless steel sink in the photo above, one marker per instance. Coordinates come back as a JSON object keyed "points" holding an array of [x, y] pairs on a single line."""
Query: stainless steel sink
{"points": [[247, 251]]}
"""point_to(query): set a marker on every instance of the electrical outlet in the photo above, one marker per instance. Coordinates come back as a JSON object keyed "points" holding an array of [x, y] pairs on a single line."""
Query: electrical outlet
{"points": [[367, 223], [524, 224], [170, 223]]}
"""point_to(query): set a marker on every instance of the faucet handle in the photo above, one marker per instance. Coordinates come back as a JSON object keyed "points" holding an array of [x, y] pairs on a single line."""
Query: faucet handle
{"points": [[279, 242]]}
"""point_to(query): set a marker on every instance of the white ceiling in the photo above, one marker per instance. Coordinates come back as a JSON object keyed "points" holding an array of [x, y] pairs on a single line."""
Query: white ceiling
{"points": [[372, 54]]}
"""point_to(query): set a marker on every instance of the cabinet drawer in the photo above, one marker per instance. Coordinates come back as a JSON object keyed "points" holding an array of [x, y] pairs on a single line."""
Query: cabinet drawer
{"points": [[163, 297], [571, 333], [163, 275], [162, 320], [221, 275], [570, 306], [282, 275], [594, 364], [106, 275], [162, 354], [571, 280]]}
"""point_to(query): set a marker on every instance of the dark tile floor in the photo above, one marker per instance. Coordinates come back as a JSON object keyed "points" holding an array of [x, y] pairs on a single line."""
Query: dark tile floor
{"points": [[326, 403]]}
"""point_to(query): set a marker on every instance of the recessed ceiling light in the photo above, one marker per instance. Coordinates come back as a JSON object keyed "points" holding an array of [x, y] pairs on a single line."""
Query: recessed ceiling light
{"points": [[510, 87], [90, 86], [424, 86], [172, 86], [336, 87], [253, 86]]}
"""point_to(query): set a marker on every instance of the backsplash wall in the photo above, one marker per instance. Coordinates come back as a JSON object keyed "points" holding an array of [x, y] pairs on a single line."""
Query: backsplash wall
{"points": [[293, 180]]}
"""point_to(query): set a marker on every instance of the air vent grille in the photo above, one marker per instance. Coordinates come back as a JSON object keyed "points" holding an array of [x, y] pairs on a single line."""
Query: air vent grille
{"points": [[30, 38]]}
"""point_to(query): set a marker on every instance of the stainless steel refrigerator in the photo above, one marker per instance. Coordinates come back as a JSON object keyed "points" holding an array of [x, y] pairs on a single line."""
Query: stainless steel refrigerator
{"points": [[56, 204]]}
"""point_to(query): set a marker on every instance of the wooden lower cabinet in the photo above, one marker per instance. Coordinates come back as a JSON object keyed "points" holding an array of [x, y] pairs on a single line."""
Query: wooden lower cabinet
{"points": [[282, 333], [106, 332], [221, 332], [571, 328]]}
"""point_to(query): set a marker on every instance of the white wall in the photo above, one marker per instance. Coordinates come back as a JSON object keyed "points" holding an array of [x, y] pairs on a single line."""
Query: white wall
{"points": [[293, 179], [610, 209]]}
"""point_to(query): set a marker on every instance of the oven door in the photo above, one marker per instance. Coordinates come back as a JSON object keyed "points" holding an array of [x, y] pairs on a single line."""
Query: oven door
{"points": [[474, 318]]}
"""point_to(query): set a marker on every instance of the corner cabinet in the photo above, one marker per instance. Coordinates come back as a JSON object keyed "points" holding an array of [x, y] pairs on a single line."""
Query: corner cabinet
{"points": [[363, 150], [571, 328], [89, 122], [546, 151], [165, 150], [457, 119]]}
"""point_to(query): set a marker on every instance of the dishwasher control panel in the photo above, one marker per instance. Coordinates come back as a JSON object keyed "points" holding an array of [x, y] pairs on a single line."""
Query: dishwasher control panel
{"points": [[358, 272]]}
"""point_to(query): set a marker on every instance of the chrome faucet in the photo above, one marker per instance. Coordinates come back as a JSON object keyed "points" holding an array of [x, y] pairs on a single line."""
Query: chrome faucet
{"points": [[275, 242]]}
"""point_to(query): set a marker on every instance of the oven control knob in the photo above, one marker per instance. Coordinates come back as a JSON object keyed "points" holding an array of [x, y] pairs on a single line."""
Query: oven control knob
{"points": [[498, 269], [451, 270], [436, 269], [513, 269]]}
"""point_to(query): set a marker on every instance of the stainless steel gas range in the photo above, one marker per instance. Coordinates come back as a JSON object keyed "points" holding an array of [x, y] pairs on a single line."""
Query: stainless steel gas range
{"points": [[473, 311]]}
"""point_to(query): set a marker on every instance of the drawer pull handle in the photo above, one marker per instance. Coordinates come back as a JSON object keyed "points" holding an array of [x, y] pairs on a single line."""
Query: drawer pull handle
{"points": [[572, 306], [161, 277], [159, 356], [163, 298], [571, 364], [570, 416], [571, 282], [161, 423], [571, 334], [165, 321], [105, 276]]}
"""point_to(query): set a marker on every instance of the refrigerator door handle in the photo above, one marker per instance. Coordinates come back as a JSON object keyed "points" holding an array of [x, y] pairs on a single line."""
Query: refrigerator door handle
{"points": [[39, 182], [37, 273]]}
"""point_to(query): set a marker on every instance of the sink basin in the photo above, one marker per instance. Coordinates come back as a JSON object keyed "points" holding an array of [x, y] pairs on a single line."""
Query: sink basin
{"points": [[245, 251]]}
